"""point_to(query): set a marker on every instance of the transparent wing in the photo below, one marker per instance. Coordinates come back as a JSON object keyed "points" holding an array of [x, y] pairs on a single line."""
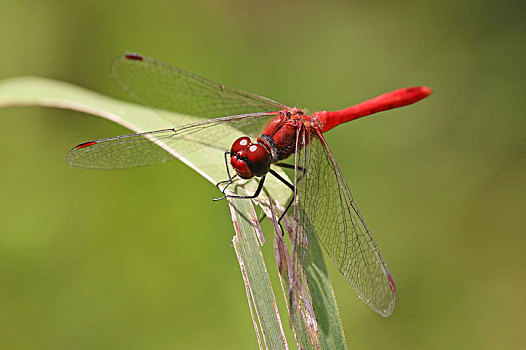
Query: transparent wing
{"points": [[325, 207], [163, 145], [160, 85]]}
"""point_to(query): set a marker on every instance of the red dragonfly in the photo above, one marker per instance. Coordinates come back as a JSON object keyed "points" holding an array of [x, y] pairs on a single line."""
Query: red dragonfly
{"points": [[322, 201]]}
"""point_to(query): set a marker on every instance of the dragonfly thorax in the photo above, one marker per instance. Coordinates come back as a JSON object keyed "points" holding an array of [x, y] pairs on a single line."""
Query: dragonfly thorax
{"points": [[249, 159]]}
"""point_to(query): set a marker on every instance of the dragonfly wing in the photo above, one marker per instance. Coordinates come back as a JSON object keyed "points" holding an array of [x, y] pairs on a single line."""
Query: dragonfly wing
{"points": [[325, 207], [122, 151], [163, 145], [160, 85]]}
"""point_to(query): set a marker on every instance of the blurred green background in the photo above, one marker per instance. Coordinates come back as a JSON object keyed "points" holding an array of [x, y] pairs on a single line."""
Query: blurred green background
{"points": [[142, 258]]}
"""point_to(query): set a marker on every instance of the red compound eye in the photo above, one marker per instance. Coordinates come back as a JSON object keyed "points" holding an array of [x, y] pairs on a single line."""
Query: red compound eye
{"points": [[258, 159], [240, 144]]}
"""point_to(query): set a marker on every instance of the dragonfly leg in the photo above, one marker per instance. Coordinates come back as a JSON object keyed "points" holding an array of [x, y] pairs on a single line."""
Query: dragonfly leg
{"points": [[227, 152], [289, 185], [258, 191], [228, 182]]}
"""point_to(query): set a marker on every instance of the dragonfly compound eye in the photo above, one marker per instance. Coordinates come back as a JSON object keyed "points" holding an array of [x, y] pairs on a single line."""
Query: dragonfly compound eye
{"points": [[258, 159], [240, 144]]}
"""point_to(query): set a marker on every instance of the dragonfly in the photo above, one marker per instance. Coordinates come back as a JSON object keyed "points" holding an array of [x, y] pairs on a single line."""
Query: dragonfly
{"points": [[321, 199]]}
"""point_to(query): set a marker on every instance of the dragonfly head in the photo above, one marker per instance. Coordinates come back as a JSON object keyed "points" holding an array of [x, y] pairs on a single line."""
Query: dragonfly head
{"points": [[249, 159]]}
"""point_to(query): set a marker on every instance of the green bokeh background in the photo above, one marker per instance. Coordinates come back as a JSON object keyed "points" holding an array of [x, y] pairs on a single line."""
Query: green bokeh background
{"points": [[142, 258]]}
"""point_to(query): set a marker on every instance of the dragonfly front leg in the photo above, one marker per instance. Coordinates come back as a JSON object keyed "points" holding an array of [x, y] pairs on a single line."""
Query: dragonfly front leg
{"points": [[252, 196], [228, 182]]}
